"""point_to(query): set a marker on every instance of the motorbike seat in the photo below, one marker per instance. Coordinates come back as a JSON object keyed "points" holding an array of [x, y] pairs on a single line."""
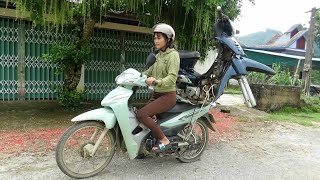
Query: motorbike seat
{"points": [[188, 59], [189, 54]]}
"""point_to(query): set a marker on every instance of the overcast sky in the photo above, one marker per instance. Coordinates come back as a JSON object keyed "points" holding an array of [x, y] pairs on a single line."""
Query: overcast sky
{"points": [[275, 14]]}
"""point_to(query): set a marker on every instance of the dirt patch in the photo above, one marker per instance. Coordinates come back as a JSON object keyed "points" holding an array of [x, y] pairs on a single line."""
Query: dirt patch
{"points": [[225, 125], [241, 111], [29, 115], [40, 141]]}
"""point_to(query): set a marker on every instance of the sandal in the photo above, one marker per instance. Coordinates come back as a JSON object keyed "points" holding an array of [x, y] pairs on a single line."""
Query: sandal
{"points": [[161, 147]]}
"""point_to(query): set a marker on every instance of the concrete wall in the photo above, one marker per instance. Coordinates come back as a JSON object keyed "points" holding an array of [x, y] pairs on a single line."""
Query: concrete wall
{"points": [[270, 97]]}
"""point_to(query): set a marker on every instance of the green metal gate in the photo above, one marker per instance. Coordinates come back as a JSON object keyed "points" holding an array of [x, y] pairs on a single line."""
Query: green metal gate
{"points": [[24, 75], [40, 76], [137, 48], [112, 52], [105, 63], [8, 59]]}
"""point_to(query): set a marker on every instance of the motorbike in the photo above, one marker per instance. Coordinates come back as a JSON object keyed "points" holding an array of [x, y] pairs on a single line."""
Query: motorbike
{"points": [[230, 63], [87, 147]]}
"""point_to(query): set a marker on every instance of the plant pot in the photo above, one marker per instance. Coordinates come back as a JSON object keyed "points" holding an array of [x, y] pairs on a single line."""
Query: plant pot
{"points": [[272, 97]]}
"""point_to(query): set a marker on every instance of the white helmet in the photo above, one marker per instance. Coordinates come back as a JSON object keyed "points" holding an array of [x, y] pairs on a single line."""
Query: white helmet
{"points": [[165, 29]]}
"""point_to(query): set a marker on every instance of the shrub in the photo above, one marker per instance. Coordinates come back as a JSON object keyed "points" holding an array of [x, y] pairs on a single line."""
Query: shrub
{"points": [[311, 104], [282, 77], [70, 98]]}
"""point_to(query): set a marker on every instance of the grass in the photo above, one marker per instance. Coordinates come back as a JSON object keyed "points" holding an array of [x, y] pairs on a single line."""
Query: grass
{"points": [[26, 115], [308, 114], [306, 119], [232, 89]]}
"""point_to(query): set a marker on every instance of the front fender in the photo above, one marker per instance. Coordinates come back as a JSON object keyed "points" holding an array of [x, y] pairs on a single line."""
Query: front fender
{"points": [[105, 115], [243, 65], [227, 75]]}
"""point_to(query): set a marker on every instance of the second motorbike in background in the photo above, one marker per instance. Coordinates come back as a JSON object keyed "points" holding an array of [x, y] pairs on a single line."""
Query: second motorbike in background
{"points": [[230, 63]]}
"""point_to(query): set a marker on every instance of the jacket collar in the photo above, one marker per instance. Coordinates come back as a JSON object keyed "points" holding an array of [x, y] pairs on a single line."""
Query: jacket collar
{"points": [[167, 51]]}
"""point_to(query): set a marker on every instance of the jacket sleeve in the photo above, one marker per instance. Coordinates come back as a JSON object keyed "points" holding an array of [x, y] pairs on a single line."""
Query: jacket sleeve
{"points": [[148, 72], [173, 69]]}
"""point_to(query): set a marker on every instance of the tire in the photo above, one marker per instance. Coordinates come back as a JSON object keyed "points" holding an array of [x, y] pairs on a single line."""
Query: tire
{"points": [[61, 150], [183, 158]]}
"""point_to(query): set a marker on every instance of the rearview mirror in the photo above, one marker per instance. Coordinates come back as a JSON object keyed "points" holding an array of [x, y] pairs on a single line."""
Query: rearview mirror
{"points": [[151, 59]]}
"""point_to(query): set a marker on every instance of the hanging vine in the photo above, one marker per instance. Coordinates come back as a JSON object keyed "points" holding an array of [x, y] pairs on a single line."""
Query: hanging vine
{"points": [[192, 19]]}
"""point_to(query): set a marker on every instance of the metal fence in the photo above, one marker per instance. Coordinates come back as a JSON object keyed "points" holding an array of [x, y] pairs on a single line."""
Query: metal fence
{"points": [[24, 75], [8, 59]]}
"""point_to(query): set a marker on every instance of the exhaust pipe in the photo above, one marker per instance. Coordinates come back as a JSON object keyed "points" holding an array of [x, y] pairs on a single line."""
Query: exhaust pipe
{"points": [[246, 91]]}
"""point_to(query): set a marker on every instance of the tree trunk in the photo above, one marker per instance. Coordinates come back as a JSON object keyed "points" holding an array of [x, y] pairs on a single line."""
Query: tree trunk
{"points": [[72, 77], [73, 74]]}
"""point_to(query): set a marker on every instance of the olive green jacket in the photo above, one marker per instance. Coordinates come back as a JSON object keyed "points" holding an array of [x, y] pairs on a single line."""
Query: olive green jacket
{"points": [[165, 70]]}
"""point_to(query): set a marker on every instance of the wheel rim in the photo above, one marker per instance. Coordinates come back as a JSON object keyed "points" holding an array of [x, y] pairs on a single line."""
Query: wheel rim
{"points": [[198, 137], [76, 156]]}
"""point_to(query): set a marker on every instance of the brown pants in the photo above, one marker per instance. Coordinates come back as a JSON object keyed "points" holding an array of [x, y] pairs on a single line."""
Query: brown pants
{"points": [[159, 103]]}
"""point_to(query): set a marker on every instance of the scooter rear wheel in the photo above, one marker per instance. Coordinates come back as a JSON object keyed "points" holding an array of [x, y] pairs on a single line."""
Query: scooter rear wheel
{"points": [[73, 149]]}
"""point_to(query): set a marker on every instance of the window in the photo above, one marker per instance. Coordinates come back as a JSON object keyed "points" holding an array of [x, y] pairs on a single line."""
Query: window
{"points": [[301, 43]]}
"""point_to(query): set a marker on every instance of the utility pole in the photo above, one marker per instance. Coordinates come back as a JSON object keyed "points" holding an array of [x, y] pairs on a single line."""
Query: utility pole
{"points": [[309, 53]]}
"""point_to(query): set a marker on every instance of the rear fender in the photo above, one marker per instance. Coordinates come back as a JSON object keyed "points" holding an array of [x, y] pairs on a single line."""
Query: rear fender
{"points": [[208, 120], [105, 115]]}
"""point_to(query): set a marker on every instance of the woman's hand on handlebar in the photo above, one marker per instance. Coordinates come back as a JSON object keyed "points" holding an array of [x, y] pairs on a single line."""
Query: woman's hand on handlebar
{"points": [[150, 80]]}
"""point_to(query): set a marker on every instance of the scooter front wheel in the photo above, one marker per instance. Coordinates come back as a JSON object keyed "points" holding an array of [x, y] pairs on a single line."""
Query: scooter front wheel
{"points": [[74, 152]]}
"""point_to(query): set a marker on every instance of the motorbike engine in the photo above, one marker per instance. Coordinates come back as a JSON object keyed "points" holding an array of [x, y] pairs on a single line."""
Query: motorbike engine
{"points": [[193, 93]]}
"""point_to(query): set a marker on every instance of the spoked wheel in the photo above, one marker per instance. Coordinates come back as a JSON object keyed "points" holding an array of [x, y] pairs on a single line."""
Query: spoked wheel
{"points": [[198, 140], [74, 150]]}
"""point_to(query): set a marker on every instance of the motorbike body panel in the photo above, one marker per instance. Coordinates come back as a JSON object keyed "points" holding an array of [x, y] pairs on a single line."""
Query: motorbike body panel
{"points": [[232, 43], [105, 115], [117, 100], [185, 117]]}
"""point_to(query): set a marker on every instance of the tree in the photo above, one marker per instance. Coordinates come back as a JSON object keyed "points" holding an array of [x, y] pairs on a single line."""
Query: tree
{"points": [[192, 20]]}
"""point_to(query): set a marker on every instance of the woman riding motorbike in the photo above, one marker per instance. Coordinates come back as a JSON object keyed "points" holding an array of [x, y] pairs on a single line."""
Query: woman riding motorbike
{"points": [[163, 75]]}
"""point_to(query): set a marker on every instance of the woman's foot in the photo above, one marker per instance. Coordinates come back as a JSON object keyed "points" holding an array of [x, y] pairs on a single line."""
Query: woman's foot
{"points": [[163, 142]]}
